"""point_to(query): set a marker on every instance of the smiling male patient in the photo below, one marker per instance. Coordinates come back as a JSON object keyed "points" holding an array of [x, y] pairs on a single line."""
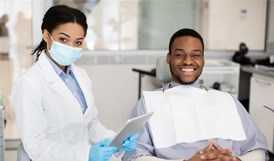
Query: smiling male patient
{"points": [[192, 122]]}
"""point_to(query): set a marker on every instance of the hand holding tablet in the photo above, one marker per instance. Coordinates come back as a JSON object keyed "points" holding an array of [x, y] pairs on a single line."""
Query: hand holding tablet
{"points": [[131, 127]]}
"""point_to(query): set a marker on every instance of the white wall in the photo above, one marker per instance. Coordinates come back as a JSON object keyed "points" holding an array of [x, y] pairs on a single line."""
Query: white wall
{"points": [[115, 90], [234, 21], [38, 10]]}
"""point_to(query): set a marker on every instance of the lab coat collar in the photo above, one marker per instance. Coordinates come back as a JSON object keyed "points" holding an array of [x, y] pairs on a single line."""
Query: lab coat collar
{"points": [[85, 88], [57, 84], [83, 85], [57, 69]]}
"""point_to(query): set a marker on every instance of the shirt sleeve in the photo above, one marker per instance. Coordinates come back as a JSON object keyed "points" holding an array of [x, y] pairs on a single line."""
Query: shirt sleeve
{"points": [[255, 137], [98, 132], [255, 155]]}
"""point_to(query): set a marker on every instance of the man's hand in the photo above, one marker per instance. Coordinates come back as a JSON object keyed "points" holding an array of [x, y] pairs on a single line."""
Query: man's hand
{"points": [[217, 153], [197, 156], [214, 152]]}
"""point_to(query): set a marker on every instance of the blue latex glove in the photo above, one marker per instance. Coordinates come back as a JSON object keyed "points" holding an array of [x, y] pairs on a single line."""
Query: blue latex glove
{"points": [[100, 151], [130, 143]]}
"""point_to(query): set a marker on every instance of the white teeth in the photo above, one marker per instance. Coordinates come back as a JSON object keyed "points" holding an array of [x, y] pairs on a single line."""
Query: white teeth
{"points": [[187, 70]]}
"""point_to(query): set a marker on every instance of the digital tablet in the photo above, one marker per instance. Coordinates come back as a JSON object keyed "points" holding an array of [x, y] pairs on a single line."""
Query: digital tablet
{"points": [[132, 126]]}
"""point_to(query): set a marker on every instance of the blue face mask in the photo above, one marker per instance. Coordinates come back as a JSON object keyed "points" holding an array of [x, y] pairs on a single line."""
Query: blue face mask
{"points": [[63, 54]]}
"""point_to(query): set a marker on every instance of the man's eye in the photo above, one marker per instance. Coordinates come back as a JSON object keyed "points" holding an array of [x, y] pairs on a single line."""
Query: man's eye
{"points": [[178, 55], [196, 55]]}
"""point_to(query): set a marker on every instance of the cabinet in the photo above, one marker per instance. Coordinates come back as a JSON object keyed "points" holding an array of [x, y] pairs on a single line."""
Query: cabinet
{"points": [[262, 105], [1, 131], [224, 72]]}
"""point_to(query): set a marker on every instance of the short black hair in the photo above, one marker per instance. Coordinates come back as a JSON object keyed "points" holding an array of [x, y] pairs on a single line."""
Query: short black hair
{"points": [[185, 32]]}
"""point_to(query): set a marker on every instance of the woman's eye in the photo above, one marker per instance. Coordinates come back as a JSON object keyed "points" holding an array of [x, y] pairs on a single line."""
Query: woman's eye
{"points": [[79, 43], [63, 39]]}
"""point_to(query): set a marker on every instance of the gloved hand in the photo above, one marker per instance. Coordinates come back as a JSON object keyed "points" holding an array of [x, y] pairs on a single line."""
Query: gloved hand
{"points": [[130, 143], [100, 151]]}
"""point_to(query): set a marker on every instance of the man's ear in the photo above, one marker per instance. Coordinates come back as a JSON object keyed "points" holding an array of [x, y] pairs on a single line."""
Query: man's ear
{"points": [[168, 58]]}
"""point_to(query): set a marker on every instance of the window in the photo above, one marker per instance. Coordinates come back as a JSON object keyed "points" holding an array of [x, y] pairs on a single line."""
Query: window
{"points": [[148, 24]]}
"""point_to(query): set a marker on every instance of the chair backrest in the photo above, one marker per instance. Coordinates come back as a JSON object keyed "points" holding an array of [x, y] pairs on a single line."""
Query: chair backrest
{"points": [[21, 154], [162, 70]]}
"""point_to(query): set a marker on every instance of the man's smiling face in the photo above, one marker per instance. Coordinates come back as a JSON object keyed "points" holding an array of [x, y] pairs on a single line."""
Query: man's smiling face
{"points": [[186, 59]]}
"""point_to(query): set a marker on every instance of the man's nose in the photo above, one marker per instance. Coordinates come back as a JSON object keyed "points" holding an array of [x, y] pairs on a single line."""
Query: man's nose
{"points": [[188, 59]]}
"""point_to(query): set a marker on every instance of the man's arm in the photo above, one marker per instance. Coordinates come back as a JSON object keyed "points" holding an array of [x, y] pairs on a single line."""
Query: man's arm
{"points": [[254, 155], [214, 152], [225, 154], [196, 157], [256, 145]]}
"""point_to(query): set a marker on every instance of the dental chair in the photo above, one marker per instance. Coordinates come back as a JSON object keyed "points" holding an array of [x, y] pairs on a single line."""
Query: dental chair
{"points": [[21, 154], [162, 70]]}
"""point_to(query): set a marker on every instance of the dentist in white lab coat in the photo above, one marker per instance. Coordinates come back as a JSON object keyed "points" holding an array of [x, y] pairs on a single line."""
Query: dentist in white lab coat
{"points": [[53, 100]]}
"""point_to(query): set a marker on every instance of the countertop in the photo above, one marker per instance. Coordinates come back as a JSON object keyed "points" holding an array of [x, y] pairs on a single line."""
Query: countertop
{"points": [[259, 70]]}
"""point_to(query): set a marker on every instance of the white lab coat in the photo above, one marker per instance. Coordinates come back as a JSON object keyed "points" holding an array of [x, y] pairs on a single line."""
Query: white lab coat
{"points": [[50, 120]]}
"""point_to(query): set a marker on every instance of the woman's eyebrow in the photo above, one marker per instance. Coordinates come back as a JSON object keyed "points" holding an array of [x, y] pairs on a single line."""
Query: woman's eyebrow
{"points": [[62, 33]]}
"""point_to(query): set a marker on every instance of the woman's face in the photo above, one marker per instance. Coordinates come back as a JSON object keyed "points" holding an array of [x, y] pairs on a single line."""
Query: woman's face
{"points": [[71, 34]]}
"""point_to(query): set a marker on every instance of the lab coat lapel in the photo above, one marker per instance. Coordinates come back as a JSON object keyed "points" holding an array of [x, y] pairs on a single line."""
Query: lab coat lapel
{"points": [[84, 87], [57, 84]]}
